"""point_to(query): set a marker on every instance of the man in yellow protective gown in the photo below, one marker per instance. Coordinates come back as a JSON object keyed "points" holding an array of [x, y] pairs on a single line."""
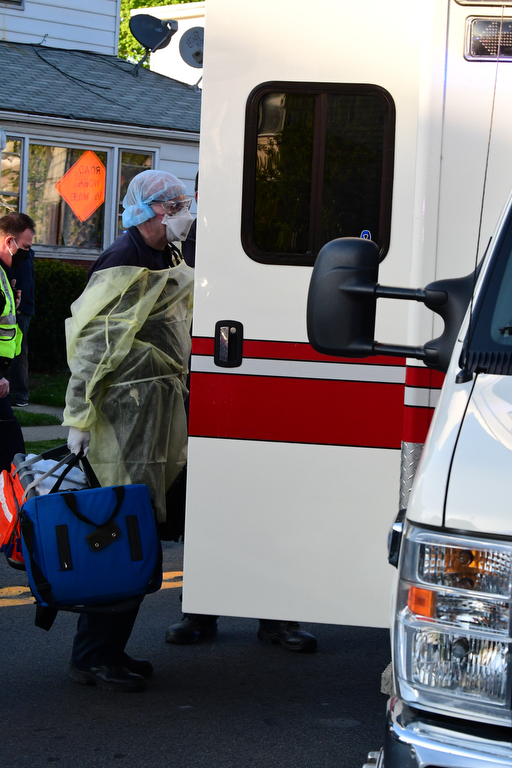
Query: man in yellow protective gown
{"points": [[128, 345]]}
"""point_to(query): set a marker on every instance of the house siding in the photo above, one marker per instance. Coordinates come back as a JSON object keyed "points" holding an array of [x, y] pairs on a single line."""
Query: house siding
{"points": [[66, 23]]}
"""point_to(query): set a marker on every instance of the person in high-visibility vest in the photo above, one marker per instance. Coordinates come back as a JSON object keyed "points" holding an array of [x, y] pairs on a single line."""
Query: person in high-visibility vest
{"points": [[16, 237]]}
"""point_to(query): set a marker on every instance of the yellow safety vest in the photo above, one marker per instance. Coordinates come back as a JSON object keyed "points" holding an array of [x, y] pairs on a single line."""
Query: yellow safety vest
{"points": [[10, 334]]}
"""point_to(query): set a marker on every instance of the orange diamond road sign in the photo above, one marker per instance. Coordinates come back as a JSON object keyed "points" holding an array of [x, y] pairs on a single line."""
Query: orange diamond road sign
{"points": [[83, 186]]}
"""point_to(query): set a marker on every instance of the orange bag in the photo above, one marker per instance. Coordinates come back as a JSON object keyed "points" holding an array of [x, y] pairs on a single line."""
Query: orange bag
{"points": [[13, 551], [11, 492], [14, 485]]}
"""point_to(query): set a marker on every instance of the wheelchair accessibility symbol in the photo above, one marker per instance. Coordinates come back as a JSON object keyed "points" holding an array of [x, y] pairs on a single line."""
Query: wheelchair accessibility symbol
{"points": [[366, 234]]}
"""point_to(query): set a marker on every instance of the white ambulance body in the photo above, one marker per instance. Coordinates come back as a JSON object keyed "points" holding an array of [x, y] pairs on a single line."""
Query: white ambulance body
{"points": [[321, 120]]}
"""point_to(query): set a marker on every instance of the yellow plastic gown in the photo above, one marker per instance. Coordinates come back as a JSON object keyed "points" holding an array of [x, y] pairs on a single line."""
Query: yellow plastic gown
{"points": [[128, 345]]}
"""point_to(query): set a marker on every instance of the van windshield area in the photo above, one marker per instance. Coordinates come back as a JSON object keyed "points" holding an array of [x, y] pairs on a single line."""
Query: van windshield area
{"points": [[489, 349]]}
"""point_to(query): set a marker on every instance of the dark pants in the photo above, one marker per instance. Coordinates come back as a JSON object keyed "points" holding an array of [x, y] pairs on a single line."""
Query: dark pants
{"points": [[101, 638], [18, 372], [11, 436]]}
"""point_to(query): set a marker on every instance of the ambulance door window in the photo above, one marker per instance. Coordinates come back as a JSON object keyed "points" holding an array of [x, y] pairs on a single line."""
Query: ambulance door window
{"points": [[283, 172], [318, 165], [353, 166]]}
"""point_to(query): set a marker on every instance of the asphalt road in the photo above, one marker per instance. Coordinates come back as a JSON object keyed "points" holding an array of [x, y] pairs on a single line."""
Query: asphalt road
{"points": [[230, 702]]}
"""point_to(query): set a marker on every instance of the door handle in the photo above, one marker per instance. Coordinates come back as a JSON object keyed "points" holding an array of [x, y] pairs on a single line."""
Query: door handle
{"points": [[229, 342]]}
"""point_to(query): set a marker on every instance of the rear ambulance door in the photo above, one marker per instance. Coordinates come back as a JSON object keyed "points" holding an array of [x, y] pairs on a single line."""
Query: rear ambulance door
{"points": [[308, 133]]}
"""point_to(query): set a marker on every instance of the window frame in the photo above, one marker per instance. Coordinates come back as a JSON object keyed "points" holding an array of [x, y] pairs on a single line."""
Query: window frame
{"points": [[320, 91], [120, 149], [19, 194], [72, 251]]}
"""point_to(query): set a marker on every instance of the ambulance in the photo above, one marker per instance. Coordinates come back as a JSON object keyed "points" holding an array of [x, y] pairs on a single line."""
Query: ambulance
{"points": [[384, 127]]}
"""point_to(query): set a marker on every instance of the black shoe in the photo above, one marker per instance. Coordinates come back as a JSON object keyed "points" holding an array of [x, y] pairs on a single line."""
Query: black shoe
{"points": [[191, 628], [108, 677], [19, 403], [289, 634], [137, 666]]}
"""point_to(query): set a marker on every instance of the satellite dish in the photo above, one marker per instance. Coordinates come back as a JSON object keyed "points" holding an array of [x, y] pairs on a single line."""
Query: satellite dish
{"points": [[191, 47], [151, 32]]}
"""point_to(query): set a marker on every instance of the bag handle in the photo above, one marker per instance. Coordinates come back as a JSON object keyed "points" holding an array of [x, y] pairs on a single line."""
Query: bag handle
{"points": [[70, 500], [43, 477], [58, 452], [71, 460]]}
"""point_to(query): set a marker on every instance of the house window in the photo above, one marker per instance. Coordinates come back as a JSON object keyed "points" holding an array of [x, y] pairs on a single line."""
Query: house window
{"points": [[10, 177], [65, 195], [318, 165], [74, 194], [130, 164]]}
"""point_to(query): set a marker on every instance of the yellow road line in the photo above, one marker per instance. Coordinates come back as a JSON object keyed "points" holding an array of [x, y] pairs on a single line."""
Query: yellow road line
{"points": [[8, 603], [9, 596], [8, 591], [172, 579]]}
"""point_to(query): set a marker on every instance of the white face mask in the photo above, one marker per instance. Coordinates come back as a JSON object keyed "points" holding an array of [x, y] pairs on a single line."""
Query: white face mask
{"points": [[177, 226]]}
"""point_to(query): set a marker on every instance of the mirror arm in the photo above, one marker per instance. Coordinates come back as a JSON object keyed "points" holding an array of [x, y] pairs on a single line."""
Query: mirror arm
{"points": [[402, 350], [431, 298], [362, 287]]}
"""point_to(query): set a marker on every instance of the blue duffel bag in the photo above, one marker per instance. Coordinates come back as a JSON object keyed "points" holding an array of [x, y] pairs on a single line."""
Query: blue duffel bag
{"points": [[94, 549]]}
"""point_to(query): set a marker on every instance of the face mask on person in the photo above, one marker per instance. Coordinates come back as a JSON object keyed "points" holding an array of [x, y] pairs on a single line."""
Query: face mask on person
{"points": [[20, 256], [177, 226]]}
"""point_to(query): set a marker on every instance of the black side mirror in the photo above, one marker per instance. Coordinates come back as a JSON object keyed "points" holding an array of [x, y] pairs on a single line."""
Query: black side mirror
{"points": [[342, 304]]}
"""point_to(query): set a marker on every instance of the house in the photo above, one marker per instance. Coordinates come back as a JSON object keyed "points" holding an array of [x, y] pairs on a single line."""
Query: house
{"points": [[79, 123]]}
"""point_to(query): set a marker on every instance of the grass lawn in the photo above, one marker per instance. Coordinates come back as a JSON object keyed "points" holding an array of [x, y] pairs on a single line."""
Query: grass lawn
{"points": [[27, 419], [40, 446], [45, 389], [48, 388]]}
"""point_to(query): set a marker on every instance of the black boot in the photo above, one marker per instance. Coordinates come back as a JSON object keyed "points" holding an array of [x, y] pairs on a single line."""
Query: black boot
{"points": [[288, 633], [191, 628]]}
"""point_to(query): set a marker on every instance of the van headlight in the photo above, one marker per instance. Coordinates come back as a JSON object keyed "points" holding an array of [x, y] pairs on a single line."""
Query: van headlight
{"points": [[453, 635]]}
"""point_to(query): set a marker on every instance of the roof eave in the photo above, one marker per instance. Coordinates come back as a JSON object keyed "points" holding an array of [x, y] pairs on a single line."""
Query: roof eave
{"points": [[93, 125]]}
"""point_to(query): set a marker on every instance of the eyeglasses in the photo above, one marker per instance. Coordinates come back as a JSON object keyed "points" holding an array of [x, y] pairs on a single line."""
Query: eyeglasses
{"points": [[171, 207]]}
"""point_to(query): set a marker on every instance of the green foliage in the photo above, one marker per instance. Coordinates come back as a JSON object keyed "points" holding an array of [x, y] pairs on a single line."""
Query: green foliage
{"points": [[129, 48], [57, 286]]}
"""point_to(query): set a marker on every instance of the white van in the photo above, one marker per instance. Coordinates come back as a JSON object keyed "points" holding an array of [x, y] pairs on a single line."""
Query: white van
{"points": [[388, 123], [451, 625], [452, 622]]}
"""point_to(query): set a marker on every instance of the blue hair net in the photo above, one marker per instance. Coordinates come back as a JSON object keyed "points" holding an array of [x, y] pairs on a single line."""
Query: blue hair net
{"points": [[146, 188]]}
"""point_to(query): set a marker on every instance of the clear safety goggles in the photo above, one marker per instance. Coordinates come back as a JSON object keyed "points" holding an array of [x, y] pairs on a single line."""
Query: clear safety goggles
{"points": [[171, 207]]}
